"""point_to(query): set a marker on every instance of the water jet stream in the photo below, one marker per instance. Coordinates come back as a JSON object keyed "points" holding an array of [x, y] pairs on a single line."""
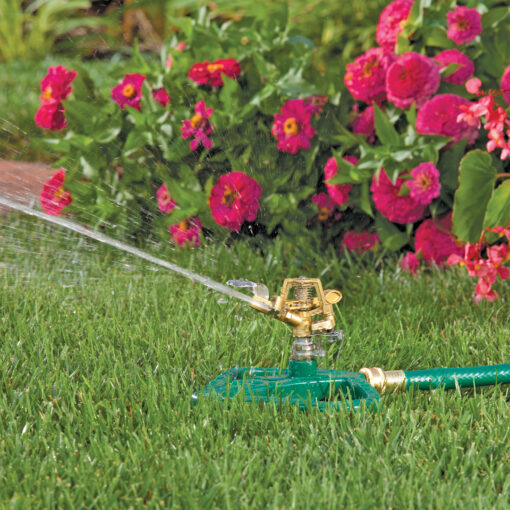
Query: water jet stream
{"points": [[56, 220]]}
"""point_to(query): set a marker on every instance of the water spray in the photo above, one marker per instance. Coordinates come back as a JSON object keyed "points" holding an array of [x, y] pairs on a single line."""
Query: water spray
{"points": [[304, 305]]}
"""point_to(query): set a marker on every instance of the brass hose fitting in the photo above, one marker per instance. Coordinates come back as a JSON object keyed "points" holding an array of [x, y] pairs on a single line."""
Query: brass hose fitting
{"points": [[384, 381]]}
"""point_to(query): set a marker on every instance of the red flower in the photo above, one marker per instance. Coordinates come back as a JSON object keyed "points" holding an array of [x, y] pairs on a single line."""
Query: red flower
{"points": [[412, 78], [51, 116], [53, 196], [391, 204], [161, 96], [424, 185], [359, 242], [165, 202], [187, 231], [364, 124], [210, 73], [434, 241], [365, 76], [129, 91], [391, 22], [291, 126], [505, 84], [234, 199], [465, 70], [464, 24], [338, 192], [199, 127], [56, 85]]}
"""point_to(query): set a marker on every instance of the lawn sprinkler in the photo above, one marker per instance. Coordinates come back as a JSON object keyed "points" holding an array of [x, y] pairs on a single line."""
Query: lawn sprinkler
{"points": [[308, 308]]}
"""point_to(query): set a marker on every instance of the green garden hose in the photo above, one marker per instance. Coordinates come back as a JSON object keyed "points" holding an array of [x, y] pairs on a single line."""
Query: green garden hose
{"points": [[448, 378]]}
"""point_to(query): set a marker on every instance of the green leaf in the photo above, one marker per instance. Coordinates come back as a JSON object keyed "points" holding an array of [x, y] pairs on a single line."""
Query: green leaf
{"points": [[88, 170], [477, 178], [449, 164], [498, 209], [391, 236], [386, 133]]}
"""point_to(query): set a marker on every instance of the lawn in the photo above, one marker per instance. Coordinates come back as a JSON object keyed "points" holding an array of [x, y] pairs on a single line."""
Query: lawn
{"points": [[101, 353]]}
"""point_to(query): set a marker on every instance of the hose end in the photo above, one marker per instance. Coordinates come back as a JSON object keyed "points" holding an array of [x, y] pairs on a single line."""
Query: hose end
{"points": [[384, 381]]}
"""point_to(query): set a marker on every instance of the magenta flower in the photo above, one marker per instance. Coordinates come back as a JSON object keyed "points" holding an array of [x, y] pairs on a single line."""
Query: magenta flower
{"points": [[187, 231], [434, 242], [198, 127], [365, 76], [161, 96], [166, 203], [424, 186], [56, 85], [359, 242], [53, 196], [338, 192], [129, 91], [473, 85], [292, 127], [364, 124], [234, 199], [412, 78], [391, 204], [466, 66], [464, 24], [391, 23], [50, 115], [439, 116], [410, 263], [505, 84], [326, 206]]}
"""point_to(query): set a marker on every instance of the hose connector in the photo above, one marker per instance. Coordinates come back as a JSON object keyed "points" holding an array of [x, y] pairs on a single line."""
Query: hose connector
{"points": [[385, 381]]}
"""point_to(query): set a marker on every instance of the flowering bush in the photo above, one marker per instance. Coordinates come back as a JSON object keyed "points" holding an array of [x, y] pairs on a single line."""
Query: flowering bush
{"points": [[234, 133]]}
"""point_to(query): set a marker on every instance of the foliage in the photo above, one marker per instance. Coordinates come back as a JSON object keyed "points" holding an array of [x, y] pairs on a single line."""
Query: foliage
{"points": [[116, 159], [28, 30]]}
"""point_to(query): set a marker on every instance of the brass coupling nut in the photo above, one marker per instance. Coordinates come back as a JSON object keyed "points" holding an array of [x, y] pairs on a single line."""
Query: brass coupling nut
{"points": [[384, 381]]}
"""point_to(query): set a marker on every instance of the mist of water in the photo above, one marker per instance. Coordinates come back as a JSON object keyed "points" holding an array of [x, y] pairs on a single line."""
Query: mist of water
{"points": [[80, 229]]}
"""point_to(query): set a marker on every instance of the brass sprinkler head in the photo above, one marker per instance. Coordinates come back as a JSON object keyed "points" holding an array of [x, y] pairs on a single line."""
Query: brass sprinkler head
{"points": [[303, 304]]}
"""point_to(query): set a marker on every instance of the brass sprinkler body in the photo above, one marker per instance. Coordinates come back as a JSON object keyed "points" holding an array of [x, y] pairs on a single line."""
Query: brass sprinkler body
{"points": [[303, 304]]}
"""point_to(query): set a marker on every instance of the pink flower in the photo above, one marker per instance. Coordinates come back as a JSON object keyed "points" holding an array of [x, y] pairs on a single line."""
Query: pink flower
{"points": [[434, 241], [53, 195], [210, 73], [391, 23], [326, 206], [424, 186], [359, 242], [391, 204], [180, 46], [473, 85], [234, 199], [505, 84], [338, 192], [51, 116], [412, 78], [317, 102], [292, 127], [198, 127], [410, 263], [438, 116], [365, 76], [161, 96], [56, 85], [465, 70], [187, 231], [364, 123], [464, 24], [165, 202], [129, 91]]}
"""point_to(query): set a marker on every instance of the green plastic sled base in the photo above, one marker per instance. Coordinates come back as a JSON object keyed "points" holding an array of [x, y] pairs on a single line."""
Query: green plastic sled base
{"points": [[301, 384]]}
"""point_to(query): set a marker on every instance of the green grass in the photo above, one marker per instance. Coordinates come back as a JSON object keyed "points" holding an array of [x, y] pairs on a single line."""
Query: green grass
{"points": [[100, 354]]}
